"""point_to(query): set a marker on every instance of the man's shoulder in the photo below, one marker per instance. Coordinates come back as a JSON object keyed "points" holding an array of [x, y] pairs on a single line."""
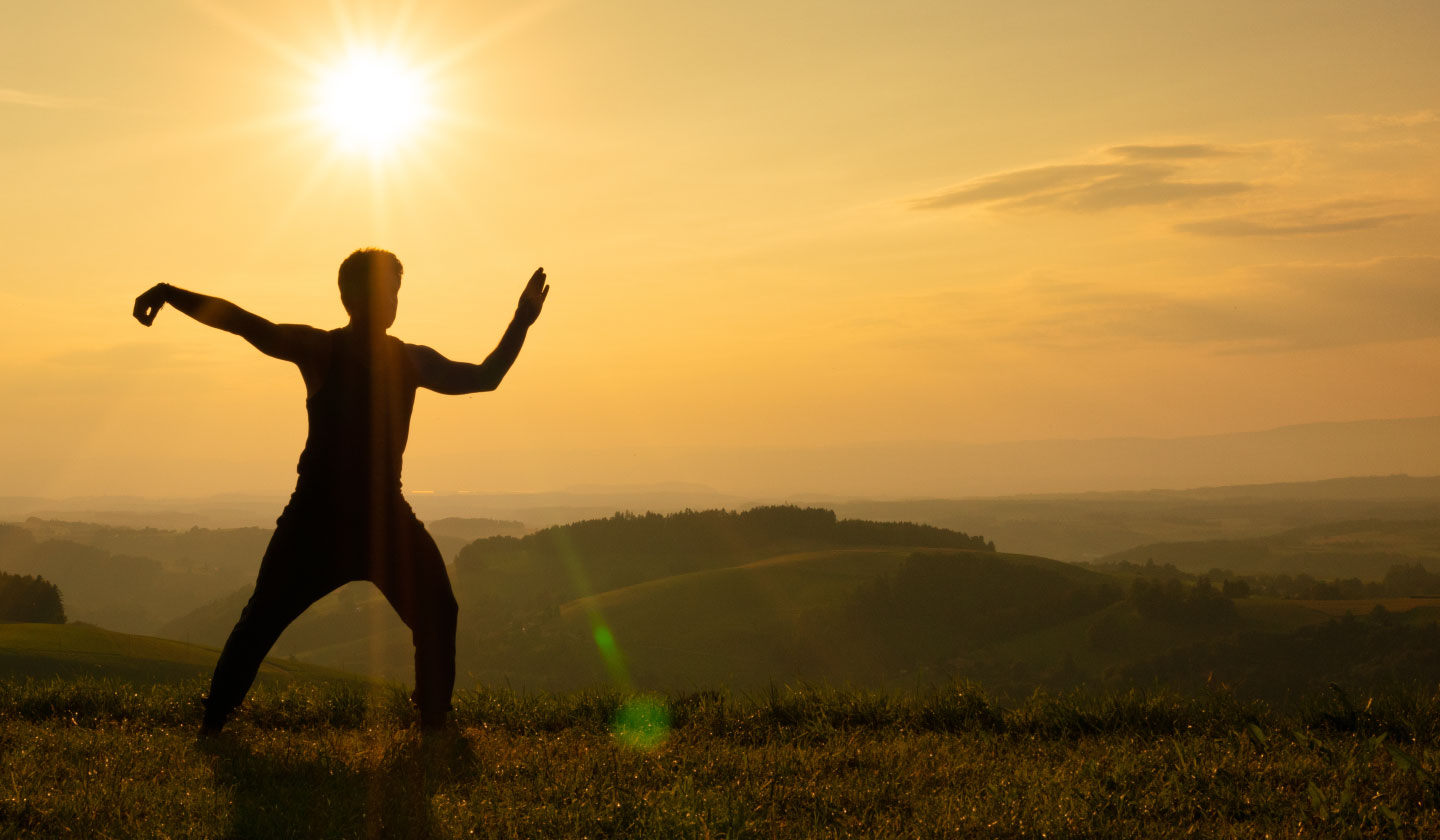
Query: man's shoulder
{"points": [[413, 350], [412, 356]]}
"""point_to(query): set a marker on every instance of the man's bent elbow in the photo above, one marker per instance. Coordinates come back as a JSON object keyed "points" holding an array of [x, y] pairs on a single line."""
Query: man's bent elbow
{"points": [[483, 381], [461, 387]]}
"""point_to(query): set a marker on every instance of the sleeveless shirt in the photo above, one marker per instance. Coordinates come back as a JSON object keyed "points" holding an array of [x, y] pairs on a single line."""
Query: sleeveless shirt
{"points": [[359, 421]]}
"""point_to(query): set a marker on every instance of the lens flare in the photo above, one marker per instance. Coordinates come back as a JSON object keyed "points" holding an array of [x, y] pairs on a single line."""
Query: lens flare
{"points": [[641, 722]]}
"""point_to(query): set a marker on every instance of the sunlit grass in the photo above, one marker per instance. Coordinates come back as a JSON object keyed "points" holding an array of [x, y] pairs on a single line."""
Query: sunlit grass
{"points": [[107, 759]]}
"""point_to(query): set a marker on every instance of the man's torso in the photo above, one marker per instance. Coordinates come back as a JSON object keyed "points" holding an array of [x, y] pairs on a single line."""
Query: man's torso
{"points": [[361, 393]]}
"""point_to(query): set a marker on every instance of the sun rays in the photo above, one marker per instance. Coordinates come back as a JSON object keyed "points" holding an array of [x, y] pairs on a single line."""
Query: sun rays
{"points": [[377, 105]]}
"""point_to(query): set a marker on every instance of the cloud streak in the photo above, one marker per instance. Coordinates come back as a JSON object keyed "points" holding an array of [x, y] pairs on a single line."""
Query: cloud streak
{"points": [[1142, 176], [1331, 217], [24, 99], [1180, 151], [1373, 122]]}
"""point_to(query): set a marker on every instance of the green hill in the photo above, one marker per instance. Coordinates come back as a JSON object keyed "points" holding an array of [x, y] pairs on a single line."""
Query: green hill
{"points": [[779, 619], [558, 564], [787, 595], [731, 626], [516, 627], [728, 626], [74, 650]]}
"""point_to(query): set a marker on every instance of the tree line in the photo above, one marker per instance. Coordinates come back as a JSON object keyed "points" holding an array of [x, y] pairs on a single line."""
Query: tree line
{"points": [[30, 599]]}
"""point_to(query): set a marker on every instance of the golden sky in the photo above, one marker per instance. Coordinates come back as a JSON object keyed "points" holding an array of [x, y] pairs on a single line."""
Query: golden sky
{"points": [[766, 224]]}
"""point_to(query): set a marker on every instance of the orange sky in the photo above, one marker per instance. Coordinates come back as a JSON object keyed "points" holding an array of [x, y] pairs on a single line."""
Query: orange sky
{"points": [[765, 224]]}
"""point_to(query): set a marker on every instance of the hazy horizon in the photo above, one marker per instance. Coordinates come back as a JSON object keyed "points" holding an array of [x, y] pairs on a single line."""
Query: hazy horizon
{"points": [[907, 470]]}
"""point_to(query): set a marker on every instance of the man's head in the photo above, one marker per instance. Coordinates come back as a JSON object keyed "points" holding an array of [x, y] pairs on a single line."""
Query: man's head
{"points": [[370, 287]]}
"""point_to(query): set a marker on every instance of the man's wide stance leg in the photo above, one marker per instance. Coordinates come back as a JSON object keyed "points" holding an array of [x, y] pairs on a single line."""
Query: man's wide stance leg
{"points": [[291, 578], [414, 580]]}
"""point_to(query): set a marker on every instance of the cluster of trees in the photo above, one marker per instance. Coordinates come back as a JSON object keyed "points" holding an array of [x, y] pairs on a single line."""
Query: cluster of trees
{"points": [[30, 598], [1148, 569], [1165, 607], [1172, 602], [1401, 580]]}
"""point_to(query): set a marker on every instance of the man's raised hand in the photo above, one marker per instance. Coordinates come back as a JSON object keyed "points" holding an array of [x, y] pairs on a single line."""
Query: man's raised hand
{"points": [[531, 300], [147, 306]]}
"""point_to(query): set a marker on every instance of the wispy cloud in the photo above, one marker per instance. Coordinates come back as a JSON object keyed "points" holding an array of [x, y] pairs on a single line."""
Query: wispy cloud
{"points": [[1336, 217], [1020, 183], [1179, 151], [1372, 122], [25, 99], [1137, 179]]}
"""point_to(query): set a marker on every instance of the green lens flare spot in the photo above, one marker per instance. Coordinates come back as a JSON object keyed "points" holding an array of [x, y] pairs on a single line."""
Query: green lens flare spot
{"points": [[642, 723], [604, 640]]}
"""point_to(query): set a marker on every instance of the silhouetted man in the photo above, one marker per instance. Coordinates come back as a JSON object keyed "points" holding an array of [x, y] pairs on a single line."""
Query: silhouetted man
{"points": [[347, 520]]}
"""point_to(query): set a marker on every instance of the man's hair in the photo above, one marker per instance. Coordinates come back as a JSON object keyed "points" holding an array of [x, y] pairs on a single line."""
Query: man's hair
{"points": [[361, 271]]}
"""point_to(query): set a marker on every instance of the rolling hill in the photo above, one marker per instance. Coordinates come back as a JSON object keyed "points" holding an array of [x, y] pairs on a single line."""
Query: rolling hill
{"points": [[788, 617], [80, 650], [729, 626], [701, 599], [710, 571]]}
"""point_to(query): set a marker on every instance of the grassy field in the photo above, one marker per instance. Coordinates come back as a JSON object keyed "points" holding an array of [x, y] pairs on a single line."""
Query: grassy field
{"points": [[103, 759]]}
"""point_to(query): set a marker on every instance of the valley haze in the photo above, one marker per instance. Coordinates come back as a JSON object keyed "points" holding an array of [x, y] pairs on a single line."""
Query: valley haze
{"points": [[636, 478]]}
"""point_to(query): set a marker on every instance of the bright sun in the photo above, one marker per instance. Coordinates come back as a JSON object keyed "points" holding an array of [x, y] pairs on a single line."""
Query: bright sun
{"points": [[373, 102]]}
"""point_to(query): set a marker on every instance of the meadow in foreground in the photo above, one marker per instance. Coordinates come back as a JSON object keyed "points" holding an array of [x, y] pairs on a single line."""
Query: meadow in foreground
{"points": [[102, 759]]}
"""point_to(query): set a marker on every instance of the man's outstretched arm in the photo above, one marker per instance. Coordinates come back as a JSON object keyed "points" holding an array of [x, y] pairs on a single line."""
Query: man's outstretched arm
{"points": [[448, 377], [280, 341]]}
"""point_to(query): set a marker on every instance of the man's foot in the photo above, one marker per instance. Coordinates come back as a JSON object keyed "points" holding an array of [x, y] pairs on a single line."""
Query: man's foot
{"points": [[213, 738], [430, 718], [445, 750], [211, 726]]}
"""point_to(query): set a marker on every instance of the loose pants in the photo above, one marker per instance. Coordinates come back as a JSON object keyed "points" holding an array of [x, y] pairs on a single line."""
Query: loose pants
{"points": [[320, 545]]}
